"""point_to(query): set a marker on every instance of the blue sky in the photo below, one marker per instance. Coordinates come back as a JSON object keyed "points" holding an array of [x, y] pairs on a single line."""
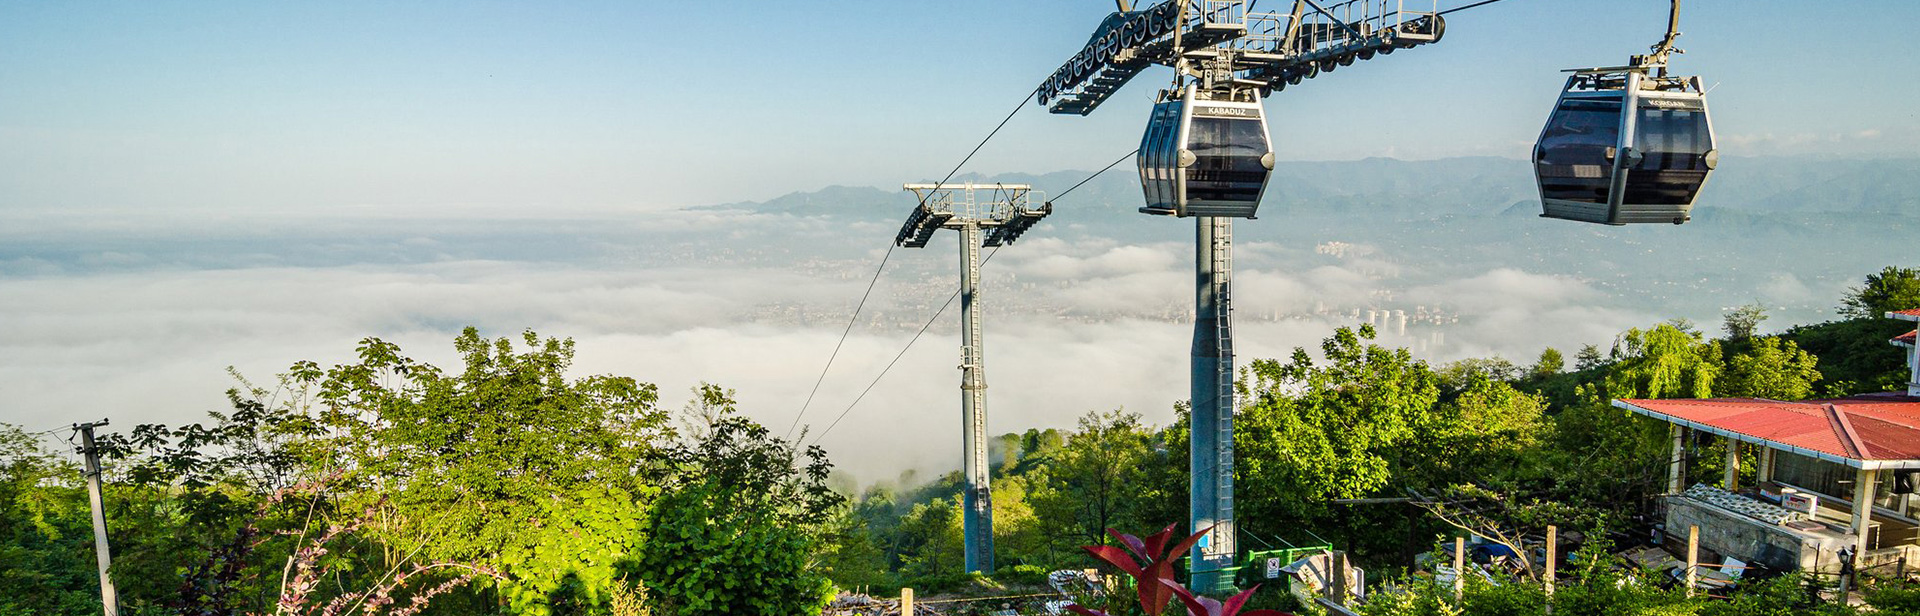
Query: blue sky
{"points": [[489, 106]]}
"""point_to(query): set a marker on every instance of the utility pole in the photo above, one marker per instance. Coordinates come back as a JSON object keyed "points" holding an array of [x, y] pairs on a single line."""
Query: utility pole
{"points": [[107, 596], [1004, 216]]}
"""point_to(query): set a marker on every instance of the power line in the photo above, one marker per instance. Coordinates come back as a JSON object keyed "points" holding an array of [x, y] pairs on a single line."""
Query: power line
{"points": [[50, 431], [883, 264]]}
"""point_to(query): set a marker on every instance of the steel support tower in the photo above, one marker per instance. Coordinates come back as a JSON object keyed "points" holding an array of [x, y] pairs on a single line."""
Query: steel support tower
{"points": [[1223, 47], [1210, 461], [1004, 216]]}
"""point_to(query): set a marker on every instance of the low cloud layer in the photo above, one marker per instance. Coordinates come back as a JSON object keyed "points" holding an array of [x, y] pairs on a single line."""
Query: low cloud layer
{"points": [[1073, 326]]}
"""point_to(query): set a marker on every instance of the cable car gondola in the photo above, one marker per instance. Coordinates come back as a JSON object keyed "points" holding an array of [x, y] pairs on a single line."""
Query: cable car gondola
{"points": [[1626, 144], [1203, 156]]}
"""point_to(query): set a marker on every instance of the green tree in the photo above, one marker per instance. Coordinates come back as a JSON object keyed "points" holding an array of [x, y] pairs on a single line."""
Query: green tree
{"points": [[1093, 482], [1667, 361], [1589, 358], [46, 537], [1018, 535], [199, 528], [1483, 435], [851, 553], [1743, 322], [1037, 447], [496, 463], [1313, 432], [1603, 457], [1460, 374], [1549, 364], [1891, 289], [1772, 368], [1854, 354], [735, 531], [1855, 357], [931, 538]]}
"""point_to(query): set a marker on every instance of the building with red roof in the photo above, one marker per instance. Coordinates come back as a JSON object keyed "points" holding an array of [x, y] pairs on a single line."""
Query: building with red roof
{"points": [[1815, 460], [1906, 341]]}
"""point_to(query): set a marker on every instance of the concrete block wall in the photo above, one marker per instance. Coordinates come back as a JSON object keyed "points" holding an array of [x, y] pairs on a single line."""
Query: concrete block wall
{"points": [[1738, 536]]}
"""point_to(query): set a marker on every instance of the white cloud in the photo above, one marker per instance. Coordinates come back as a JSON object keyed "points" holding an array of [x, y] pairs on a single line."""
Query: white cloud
{"points": [[1073, 327]]}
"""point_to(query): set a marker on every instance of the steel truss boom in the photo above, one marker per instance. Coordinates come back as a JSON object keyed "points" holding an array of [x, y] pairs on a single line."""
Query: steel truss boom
{"points": [[1224, 45]]}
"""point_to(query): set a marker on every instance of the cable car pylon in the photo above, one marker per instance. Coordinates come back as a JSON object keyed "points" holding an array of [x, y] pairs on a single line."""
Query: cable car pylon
{"points": [[1206, 155], [1003, 218]]}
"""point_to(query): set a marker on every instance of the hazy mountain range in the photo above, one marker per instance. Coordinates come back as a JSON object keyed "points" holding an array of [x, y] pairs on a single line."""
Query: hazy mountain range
{"points": [[1761, 224]]}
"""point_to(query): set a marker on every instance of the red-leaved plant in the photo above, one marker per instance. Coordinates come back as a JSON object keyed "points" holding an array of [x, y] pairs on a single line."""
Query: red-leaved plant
{"points": [[1152, 574]]}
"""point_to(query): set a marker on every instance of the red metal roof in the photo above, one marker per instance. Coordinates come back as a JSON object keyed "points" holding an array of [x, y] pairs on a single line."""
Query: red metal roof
{"points": [[1906, 315], [1907, 338], [1868, 427]]}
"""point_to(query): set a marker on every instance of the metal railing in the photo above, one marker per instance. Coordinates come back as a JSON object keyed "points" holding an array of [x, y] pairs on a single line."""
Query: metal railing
{"points": [[1333, 25], [1216, 12]]}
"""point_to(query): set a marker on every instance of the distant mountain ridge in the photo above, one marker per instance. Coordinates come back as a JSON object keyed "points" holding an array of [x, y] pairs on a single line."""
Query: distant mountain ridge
{"points": [[1427, 189]]}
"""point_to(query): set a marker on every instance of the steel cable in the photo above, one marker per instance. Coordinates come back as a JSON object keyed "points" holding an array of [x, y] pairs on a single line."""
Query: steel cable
{"points": [[883, 265], [1462, 8], [943, 309]]}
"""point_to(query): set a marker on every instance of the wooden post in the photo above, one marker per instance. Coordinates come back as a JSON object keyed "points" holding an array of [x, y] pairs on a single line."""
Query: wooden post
{"points": [[1732, 479], [1764, 472], [1693, 557], [1339, 578], [1553, 535], [906, 602], [1459, 568]]}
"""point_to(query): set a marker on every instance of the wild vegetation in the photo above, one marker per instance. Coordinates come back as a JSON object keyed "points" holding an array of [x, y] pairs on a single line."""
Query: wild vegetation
{"points": [[507, 485]]}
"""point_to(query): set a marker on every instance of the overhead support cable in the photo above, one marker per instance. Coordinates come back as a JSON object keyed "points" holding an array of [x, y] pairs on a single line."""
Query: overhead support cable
{"points": [[1096, 174], [1462, 8], [883, 265], [896, 357], [943, 309]]}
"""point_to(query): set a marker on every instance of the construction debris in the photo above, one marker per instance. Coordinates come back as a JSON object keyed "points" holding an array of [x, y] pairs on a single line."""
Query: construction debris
{"points": [[859, 604]]}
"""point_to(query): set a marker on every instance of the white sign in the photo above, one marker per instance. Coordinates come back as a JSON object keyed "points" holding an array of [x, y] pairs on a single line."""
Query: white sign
{"points": [[1801, 502]]}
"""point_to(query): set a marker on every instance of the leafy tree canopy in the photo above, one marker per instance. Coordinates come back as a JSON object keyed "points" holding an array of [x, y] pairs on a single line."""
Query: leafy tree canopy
{"points": [[1892, 289], [1312, 432]]}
